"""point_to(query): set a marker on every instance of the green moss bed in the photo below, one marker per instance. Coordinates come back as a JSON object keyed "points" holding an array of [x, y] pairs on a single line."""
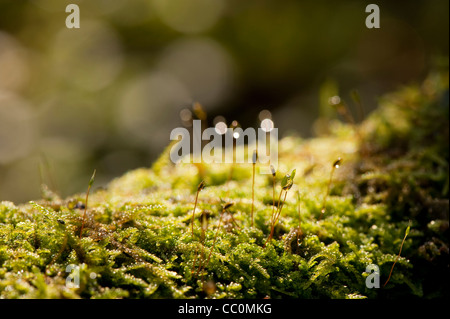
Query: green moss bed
{"points": [[137, 239]]}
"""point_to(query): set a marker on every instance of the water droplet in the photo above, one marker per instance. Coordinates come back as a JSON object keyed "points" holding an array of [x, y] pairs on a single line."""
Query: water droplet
{"points": [[186, 115], [221, 128], [267, 125], [334, 100]]}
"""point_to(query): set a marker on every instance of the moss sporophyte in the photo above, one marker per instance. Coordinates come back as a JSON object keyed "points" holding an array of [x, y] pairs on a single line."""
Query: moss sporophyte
{"points": [[186, 230], [286, 184], [91, 182]]}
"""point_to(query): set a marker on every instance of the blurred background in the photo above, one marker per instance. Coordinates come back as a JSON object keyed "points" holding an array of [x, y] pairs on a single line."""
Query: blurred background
{"points": [[107, 95]]}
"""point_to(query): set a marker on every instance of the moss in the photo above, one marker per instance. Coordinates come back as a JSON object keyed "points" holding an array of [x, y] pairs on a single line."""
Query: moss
{"points": [[137, 240]]}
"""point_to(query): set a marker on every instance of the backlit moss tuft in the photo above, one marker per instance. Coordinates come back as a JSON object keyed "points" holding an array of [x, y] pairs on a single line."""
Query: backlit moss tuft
{"points": [[137, 239]]}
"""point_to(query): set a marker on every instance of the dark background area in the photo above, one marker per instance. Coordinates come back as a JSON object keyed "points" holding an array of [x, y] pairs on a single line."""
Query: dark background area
{"points": [[107, 95]]}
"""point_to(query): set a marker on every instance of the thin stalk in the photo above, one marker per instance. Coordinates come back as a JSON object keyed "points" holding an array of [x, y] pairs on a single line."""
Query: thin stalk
{"points": [[335, 165], [254, 158], [281, 207], [193, 214], [324, 202], [274, 217], [398, 256], [273, 189], [299, 218], [201, 259], [272, 220], [253, 193], [286, 184], [343, 109], [199, 188], [91, 181], [233, 220]]}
